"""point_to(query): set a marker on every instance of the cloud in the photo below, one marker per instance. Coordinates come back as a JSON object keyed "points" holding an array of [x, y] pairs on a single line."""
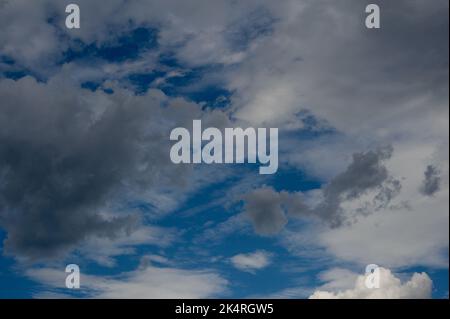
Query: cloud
{"points": [[392, 237], [335, 279], [263, 206], [146, 282], [288, 293], [391, 287], [213, 33], [296, 65], [252, 261], [18, 19], [365, 175], [103, 250], [432, 181], [70, 157]]}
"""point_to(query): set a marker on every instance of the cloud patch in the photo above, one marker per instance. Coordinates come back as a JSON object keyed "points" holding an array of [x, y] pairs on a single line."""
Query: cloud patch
{"points": [[252, 261], [263, 206], [432, 181], [70, 157], [365, 176], [391, 287], [146, 282]]}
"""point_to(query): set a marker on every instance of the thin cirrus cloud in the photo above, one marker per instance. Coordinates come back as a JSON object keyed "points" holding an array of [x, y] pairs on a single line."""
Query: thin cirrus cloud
{"points": [[146, 282]]}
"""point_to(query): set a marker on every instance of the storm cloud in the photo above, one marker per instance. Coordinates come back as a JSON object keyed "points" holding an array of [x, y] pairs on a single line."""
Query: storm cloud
{"points": [[68, 155]]}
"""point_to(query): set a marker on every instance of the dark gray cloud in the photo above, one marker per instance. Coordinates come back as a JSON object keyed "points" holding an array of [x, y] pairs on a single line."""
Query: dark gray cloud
{"points": [[432, 181], [67, 156], [268, 208], [264, 207], [365, 173]]}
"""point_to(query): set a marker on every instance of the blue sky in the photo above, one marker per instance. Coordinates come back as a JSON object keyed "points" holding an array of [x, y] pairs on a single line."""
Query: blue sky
{"points": [[86, 178]]}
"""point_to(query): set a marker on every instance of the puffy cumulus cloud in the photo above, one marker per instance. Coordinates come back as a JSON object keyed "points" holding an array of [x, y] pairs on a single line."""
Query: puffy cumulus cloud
{"points": [[417, 287], [70, 157], [43, 53], [335, 279], [252, 261], [19, 19], [365, 181], [146, 282], [263, 206]]}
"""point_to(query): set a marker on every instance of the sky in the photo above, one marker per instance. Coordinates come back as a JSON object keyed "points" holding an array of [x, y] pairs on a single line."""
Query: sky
{"points": [[86, 177]]}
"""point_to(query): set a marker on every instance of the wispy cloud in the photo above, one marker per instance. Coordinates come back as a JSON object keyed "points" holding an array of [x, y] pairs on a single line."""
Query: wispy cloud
{"points": [[148, 281], [251, 262]]}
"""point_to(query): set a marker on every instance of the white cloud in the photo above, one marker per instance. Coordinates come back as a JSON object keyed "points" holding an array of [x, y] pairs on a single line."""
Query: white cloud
{"points": [[103, 250], [337, 279], [417, 287], [251, 261], [146, 282], [288, 293]]}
